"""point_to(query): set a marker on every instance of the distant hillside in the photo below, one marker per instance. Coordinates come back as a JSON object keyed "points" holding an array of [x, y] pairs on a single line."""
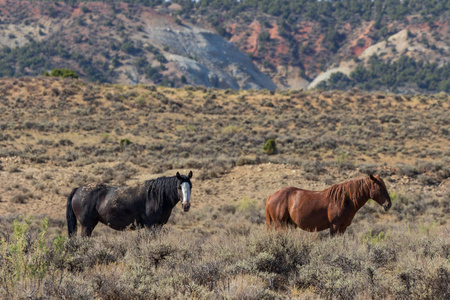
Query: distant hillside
{"points": [[120, 43], [296, 44], [301, 42]]}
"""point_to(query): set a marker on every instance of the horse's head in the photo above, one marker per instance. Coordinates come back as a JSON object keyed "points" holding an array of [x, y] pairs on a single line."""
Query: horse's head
{"points": [[184, 186], [379, 192]]}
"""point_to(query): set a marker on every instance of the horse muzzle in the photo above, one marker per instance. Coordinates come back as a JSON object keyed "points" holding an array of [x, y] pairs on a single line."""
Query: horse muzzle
{"points": [[387, 206], [186, 206]]}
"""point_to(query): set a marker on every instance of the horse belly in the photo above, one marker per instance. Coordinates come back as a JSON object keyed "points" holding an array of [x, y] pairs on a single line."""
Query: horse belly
{"points": [[314, 222], [310, 218], [120, 223], [117, 217]]}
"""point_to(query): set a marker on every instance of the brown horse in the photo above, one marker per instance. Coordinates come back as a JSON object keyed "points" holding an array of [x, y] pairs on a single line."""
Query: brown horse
{"points": [[333, 208]]}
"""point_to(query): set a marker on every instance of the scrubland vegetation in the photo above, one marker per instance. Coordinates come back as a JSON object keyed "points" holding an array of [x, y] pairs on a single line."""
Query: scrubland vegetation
{"points": [[60, 133], [240, 261]]}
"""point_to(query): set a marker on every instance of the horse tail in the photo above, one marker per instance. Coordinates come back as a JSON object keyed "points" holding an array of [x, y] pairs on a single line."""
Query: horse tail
{"points": [[268, 218], [70, 215]]}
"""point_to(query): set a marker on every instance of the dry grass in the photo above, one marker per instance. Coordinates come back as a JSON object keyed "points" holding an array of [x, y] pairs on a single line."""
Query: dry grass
{"points": [[235, 263], [220, 249]]}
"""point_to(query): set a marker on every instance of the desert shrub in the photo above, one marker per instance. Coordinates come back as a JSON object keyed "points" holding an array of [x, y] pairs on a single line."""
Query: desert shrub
{"points": [[46, 176], [27, 257], [29, 176], [110, 286], [368, 168], [215, 168], [279, 253], [77, 179], [332, 270], [124, 142], [250, 209], [13, 168], [107, 175], [342, 162], [313, 167], [208, 274], [65, 142], [374, 238], [71, 156], [416, 283], [247, 204], [426, 179], [151, 250], [382, 254], [64, 73], [87, 253], [122, 172], [270, 147], [410, 206], [68, 288], [19, 198], [248, 160], [231, 129]]}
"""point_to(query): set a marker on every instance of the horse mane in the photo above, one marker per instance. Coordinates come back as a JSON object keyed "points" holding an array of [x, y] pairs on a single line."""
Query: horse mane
{"points": [[351, 191], [160, 188]]}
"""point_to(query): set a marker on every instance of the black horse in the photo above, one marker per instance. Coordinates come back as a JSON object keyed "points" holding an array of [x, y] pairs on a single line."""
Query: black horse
{"points": [[146, 205]]}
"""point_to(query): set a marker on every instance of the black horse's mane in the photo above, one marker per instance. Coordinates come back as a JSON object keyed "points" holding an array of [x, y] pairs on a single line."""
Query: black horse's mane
{"points": [[162, 183], [162, 188]]}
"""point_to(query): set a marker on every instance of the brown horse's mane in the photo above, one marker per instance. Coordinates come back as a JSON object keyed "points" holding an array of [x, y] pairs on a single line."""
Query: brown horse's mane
{"points": [[351, 190]]}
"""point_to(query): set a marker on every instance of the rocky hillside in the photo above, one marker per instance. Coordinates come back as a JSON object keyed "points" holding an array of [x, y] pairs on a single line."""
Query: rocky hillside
{"points": [[301, 43], [120, 43], [228, 44]]}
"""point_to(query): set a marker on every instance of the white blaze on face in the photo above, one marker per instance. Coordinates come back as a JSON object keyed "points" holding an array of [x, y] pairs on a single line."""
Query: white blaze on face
{"points": [[186, 191]]}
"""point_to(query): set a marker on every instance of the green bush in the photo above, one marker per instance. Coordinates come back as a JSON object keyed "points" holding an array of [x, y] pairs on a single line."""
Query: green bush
{"points": [[26, 257], [124, 143], [247, 204], [270, 147], [64, 73]]}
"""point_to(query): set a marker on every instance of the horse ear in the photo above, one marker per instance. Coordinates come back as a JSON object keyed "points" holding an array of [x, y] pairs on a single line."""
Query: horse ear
{"points": [[190, 175], [371, 177], [178, 175]]}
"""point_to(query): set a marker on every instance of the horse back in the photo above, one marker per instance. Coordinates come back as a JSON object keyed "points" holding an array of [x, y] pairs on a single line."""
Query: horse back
{"points": [[117, 207], [88, 197]]}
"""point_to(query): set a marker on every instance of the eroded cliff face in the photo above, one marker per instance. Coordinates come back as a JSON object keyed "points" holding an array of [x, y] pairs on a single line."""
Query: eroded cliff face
{"points": [[207, 58]]}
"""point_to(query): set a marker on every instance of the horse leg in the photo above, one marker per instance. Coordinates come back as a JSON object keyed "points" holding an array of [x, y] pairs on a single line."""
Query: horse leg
{"points": [[334, 229], [272, 223], [337, 229], [342, 230], [86, 229], [268, 219]]}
